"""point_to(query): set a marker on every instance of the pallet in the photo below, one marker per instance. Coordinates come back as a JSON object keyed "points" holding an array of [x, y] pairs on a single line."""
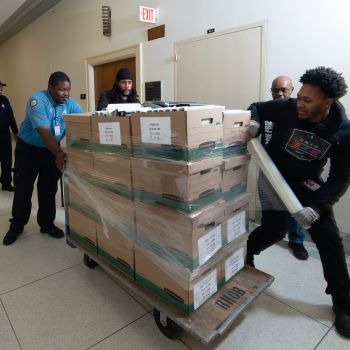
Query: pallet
{"points": [[207, 323]]}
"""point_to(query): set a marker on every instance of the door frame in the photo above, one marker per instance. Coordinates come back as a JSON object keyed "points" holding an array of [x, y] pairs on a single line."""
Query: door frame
{"points": [[91, 62], [262, 24]]}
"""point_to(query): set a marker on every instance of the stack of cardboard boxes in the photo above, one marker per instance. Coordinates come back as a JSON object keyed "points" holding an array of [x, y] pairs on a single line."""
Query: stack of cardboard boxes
{"points": [[174, 210], [99, 187]]}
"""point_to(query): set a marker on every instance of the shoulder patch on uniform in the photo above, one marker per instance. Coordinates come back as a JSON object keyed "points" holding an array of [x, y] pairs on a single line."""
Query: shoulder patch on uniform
{"points": [[33, 102]]}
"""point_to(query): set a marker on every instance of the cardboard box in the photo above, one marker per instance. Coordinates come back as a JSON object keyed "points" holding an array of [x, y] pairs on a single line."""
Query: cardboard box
{"points": [[186, 290], [82, 229], [236, 126], [183, 186], [235, 256], [188, 240], [114, 171], [115, 210], [112, 135], [116, 247], [187, 134], [235, 176], [79, 161], [79, 196], [236, 222], [78, 130]]}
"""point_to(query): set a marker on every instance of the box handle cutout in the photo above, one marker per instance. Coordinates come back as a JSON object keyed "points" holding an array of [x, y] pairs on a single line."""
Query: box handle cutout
{"points": [[172, 294], [207, 144], [207, 121], [207, 193], [172, 197]]}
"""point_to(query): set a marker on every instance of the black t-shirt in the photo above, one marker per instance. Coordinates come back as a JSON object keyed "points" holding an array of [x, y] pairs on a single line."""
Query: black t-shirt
{"points": [[300, 149]]}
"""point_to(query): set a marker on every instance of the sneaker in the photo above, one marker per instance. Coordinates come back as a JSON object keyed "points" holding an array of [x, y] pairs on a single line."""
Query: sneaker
{"points": [[299, 250], [9, 188], [53, 231], [342, 316], [11, 237]]}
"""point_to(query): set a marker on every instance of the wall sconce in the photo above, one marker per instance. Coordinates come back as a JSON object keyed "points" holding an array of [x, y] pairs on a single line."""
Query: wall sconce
{"points": [[106, 20]]}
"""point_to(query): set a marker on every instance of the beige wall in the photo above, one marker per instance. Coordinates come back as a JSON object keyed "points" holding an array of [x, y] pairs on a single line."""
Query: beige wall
{"points": [[302, 35]]}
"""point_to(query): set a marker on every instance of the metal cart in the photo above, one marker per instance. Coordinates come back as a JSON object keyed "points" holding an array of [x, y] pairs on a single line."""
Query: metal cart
{"points": [[208, 322]]}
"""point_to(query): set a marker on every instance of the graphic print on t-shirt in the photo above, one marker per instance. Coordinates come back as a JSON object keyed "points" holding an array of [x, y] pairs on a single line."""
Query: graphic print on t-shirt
{"points": [[306, 145]]}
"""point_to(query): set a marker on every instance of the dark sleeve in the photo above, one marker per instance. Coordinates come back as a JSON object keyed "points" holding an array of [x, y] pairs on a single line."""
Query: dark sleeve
{"points": [[338, 179], [12, 120], [272, 110], [103, 101]]}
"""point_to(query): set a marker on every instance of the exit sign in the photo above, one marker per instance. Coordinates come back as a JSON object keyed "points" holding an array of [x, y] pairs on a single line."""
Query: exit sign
{"points": [[148, 14]]}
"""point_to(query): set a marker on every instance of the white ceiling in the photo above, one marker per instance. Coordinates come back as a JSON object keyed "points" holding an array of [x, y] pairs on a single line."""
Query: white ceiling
{"points": [[8, 7], [17, 14]]}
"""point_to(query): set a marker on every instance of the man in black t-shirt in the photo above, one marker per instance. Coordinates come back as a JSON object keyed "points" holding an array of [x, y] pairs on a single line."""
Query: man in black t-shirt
{"points": [[307, 132]]}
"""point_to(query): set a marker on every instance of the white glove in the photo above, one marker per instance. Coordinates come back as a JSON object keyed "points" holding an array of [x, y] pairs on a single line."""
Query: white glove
{"points": [[254, 127], [306, 217]]}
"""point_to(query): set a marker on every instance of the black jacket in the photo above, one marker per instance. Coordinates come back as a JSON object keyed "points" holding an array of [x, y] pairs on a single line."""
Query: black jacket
{"points": [[108, 97], [7, 119], [300, 149]]}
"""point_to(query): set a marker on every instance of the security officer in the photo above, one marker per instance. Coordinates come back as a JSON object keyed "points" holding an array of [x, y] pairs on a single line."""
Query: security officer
{"points": [[39, 155], [7, 120]]}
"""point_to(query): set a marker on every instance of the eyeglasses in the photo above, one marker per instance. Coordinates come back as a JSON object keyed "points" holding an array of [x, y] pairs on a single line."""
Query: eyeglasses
{"points": [[277, 90]]}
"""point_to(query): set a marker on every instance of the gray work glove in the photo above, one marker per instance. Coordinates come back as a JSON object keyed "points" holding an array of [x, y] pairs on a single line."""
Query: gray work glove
{"points": [[306, 217], [254, 127]]}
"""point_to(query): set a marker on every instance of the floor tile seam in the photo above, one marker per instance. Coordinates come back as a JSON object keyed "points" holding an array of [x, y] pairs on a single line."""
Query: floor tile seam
{"points": [[297, 310], [37, 280], [321, 340], [11, 325], [125, 289], [119, 330]]}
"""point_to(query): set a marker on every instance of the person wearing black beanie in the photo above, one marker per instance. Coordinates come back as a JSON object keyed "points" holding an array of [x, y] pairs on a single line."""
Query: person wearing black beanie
{"points": [[121, 92]]}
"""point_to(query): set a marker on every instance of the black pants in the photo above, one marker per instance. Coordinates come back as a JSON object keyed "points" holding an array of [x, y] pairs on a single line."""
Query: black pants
{"points": [[324, 232], [33, 163], [5, 158]]}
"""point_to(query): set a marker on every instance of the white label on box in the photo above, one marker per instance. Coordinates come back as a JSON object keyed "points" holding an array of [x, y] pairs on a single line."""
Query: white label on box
{"points": [[234, 263], [209, 244], [156, 130], [236, 226], [204, 289], [110, 133]]}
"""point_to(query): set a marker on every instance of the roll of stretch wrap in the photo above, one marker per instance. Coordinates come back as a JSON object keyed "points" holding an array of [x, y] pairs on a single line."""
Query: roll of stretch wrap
{"points": [[273, 175]]}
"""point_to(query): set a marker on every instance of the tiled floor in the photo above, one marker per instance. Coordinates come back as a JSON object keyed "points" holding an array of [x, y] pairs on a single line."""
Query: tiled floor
{"points": [[50, 300]]}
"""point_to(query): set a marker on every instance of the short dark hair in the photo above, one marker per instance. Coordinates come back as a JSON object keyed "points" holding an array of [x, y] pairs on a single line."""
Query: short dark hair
{"points": [[331, 83], [57, 77]]}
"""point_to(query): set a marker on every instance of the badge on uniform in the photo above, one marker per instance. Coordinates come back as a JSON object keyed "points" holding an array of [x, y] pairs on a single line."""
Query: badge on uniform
{"points": [[33, 103]]}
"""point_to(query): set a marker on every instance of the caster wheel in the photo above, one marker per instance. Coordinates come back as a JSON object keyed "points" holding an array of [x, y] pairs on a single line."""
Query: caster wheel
{"points": [[169, 328], [90, 263]]}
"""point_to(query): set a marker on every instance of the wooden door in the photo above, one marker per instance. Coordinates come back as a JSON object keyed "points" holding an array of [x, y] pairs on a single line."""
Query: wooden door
{"points": [[104, 75]]}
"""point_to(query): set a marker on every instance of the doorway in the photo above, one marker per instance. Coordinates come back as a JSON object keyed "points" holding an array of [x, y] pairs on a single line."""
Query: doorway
{"points": [[105, 74], [101, 71]]}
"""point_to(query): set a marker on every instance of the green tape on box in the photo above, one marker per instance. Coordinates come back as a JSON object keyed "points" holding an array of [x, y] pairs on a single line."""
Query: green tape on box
{"points": [[174, 153], [79, 144], [188, 309], [129, 271], [167, 253], [86, 244], [234, 192], [112, 149], [234, 150], [148, 197], [113, 188], [91, 214]]}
